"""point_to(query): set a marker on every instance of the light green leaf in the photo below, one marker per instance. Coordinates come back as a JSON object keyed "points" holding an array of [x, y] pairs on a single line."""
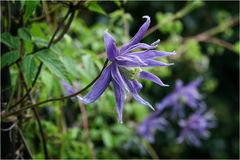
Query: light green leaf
{"points": [[89, 66], [30, 6], [25, 34], [95, 7], [193, 50], [9, 58], [237, 47], [53, 63], [9, 40], [107, 138], [29, 68]]}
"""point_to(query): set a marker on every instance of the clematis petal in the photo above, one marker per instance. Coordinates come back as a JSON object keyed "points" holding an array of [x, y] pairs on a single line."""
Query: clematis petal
{"points": [[149, 54], [117, 76], [135, 94], [151, 77], [110, 45], [137, 85], [98, 88], [119, 97], [155, 63], [142, 46], [129, 61], [138, 36], [179, 85], [195, 83]]}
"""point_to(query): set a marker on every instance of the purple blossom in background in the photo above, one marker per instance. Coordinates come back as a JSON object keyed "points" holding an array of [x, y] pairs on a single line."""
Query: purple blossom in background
{"points": [[68, 88], [125, 68], [153, 122], [196, 127], [182, 95]]}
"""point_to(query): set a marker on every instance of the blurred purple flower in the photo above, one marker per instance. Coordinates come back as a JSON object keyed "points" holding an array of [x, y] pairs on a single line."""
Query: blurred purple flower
{"points": [[124, 69], [68, 88], [182, 95], [153, 122], [196, 127]]}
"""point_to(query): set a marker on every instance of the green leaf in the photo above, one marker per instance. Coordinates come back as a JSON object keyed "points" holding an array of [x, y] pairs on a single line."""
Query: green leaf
{"points": [[29, 68], [107, 138], [95, 7], [53, 63], [117, 2], [22, 3], [9, 58], [25, 34], [89, 66], [237, 47], [30, 6], [193, 50], [9, 40]]}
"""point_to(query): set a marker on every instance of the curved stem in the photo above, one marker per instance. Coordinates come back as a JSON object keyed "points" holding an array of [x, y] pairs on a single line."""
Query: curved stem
{"points": [[4, 115], [53, 40]]}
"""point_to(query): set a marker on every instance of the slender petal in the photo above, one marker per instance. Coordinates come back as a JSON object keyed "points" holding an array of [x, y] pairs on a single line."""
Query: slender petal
{"points": [[151, 77], [117, 76], [137, 85], [119, 97], [99, 87], [138, 36], [129, 61], [179, 85], [154, 63], [196, 82], [149, 54], [135, 94], [141, 46], [110, 45]]}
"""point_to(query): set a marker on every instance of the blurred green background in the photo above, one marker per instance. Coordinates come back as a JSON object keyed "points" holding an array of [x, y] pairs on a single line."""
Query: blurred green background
{"points": [[205, 36]]}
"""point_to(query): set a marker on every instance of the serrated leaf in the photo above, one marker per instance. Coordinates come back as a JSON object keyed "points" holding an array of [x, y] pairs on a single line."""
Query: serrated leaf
{"points": [[29, 68], [95, 7], [25, 34], [30, 6], [9, 58], [53, 63], [9, 40]]}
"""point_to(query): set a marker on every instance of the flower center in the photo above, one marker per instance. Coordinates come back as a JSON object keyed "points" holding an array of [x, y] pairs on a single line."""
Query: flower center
{"points": [[130, 73], [182, 99]]}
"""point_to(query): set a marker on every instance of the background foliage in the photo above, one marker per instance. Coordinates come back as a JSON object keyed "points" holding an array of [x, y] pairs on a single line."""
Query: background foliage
{"points": [[205, 36]]}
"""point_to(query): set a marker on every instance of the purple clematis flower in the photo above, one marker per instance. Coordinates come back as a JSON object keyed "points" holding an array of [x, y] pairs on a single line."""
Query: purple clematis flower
{"points": [[196, 127], [125, 68], [182, 95], [153, 122]]}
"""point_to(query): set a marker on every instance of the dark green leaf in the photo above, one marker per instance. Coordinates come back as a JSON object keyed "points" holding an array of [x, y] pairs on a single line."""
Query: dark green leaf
{"points": [[53, 63], [24, 34], [30, 6], [95, 7], [9, 40], [29, 68], [9, 58]]}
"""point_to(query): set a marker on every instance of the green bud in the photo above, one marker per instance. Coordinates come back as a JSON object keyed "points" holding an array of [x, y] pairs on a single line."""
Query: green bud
{"points": [[182, 99], [130, 73]]}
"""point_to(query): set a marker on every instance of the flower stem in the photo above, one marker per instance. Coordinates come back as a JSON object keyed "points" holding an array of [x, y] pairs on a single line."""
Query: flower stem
{"points": [[5, 115]]}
